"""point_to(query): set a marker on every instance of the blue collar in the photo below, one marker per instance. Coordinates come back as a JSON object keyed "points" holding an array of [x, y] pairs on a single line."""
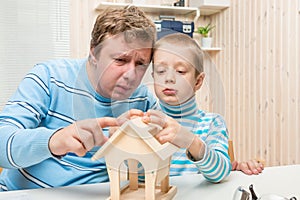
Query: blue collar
{"points": [[186, 109]]}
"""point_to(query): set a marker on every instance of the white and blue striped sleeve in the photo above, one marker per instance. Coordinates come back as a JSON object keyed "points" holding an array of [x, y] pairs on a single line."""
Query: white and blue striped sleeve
{"points": [[22, 142], [215, 165]]}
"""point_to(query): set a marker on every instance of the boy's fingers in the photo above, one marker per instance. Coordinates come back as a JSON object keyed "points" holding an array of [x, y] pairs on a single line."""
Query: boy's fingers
{"points": [[156, 113], [155, 120], [128, 115], [163, 136], [156, 117], [234, 165], [135, 112]]}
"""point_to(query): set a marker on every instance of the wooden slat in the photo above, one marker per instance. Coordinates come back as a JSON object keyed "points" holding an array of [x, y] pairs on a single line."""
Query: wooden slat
{"points": [[260, 73]]}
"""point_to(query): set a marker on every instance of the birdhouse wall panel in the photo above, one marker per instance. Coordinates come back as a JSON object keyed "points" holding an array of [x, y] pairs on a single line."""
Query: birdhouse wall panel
{"points": [[132, 144]]}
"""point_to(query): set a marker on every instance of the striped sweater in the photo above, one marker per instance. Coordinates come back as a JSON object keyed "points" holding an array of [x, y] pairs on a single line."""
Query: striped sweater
{"points": [[53, 95], [211, 129]]}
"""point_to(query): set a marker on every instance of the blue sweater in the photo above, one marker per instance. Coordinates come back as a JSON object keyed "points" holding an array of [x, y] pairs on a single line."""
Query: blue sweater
{"points": [[211, 129], [52, 96]]}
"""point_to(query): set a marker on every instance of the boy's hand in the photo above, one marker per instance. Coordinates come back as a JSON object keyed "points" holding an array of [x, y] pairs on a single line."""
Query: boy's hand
{"points": [[250, 167], [171, 131], [123, 118]]}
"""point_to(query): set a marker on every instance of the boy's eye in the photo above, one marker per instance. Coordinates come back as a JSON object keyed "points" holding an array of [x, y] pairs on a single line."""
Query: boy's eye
{"points": [[160, 71], [181, 71]]}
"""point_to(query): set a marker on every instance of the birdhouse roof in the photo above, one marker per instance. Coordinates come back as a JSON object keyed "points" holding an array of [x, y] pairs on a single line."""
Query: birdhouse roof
{"points": [[137, 128]]}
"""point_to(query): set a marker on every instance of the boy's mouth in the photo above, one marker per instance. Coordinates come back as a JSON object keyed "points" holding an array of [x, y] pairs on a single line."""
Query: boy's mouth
{"points": [[169, 92]]}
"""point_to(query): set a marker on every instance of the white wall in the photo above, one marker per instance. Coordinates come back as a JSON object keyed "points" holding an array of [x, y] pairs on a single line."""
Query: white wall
{"points": [[31, 31]]}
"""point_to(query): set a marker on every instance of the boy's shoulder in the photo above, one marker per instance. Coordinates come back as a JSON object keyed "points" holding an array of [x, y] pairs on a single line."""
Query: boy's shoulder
{"points": [[210, 116]]}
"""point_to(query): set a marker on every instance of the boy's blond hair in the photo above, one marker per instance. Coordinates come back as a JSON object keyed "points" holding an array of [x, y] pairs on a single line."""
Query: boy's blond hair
{"points": [[178, 42], [130, 21]]}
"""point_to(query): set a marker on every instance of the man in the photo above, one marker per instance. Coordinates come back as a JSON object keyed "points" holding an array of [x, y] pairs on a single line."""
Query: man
{"points": [[56, 120]]}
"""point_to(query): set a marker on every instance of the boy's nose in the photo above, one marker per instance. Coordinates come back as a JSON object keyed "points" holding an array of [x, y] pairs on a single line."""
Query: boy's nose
{"points": [[170, 77]]}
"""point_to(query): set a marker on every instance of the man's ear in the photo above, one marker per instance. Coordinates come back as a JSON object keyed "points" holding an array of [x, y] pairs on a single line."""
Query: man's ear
{"points": [[199, 81], [92, 56]]}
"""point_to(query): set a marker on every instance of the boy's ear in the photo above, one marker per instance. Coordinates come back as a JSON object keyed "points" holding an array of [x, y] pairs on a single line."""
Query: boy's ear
{"points": [[199, 81]]}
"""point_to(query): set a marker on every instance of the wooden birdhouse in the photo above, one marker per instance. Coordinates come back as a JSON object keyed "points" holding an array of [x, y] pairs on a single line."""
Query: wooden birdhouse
{"points": [[134, 142]]}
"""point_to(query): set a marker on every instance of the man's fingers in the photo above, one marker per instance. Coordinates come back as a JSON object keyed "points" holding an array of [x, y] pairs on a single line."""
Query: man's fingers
{"points": [[74, 145], [86, 138], [89, 132], [107, 121], [99, 138], [77, 147], [112, 130]]}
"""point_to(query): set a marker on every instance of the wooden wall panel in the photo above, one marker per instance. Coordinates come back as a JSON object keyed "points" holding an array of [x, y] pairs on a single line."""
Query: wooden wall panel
{"points": [[259, 67]]}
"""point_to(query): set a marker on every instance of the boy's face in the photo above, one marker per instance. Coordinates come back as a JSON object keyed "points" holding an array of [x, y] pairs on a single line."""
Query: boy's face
{"points": [[174, 77], [119, 67]]}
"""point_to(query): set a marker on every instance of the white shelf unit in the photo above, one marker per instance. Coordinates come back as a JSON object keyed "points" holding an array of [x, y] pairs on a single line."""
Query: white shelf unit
{"points": [[156, 9], [172, 10], [203, 9], [210, 7], [212, 49]]}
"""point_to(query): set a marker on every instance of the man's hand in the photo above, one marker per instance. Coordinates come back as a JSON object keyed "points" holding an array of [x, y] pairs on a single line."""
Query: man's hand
{"points": [[80, 136]]}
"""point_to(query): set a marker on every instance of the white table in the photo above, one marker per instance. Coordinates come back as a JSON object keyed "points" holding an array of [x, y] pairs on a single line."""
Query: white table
{"points": [[283, 180]]}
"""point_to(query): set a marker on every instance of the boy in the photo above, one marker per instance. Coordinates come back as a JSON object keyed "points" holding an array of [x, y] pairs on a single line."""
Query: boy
{"points": [[202, 137]]}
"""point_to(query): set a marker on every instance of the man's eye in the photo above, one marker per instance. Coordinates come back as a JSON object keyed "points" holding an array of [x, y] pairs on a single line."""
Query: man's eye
{"points": [[142, 65], [119, 60]]}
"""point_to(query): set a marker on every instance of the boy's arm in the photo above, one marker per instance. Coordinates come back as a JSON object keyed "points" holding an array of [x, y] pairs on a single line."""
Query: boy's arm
{"points": [[210, 156], [215, 163]]}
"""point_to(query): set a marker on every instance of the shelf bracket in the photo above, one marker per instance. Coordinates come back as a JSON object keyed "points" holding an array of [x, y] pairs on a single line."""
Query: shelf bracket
{"points": [[197, 16]]}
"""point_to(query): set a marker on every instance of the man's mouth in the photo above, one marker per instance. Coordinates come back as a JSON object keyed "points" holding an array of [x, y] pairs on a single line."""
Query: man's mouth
{"points": [[123, 88]]}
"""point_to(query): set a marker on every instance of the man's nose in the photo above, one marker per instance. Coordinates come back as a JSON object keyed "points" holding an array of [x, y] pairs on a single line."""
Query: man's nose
{"points": [[130, 71]]}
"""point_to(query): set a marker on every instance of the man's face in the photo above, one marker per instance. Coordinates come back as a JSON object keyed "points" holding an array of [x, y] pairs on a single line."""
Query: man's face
{"points": [[120, 67]]}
